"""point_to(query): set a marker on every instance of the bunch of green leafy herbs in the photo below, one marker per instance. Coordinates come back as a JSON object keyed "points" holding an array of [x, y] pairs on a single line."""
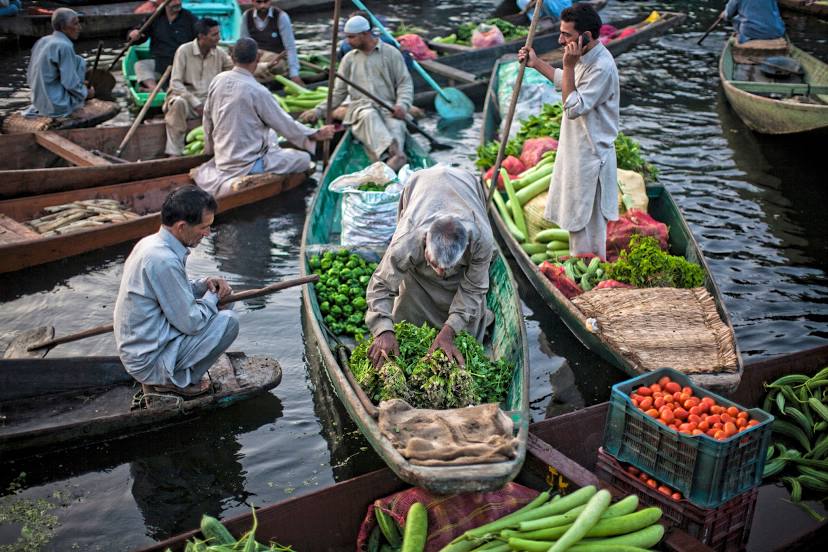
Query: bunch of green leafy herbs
{"points": [[340, 291], [487, 153], [432, 381], [510, 31], [372, 187], [545, 123], [628, 156], [645, 264]]}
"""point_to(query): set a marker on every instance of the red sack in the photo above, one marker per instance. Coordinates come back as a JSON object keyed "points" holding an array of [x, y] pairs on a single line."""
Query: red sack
{"points": [[448, 517], [558, 277], [608, 284], [513, 168], [146, 7], [534, 148], [607, 30], [416, 46], [626, 32], [486, 36], [630, 223]]}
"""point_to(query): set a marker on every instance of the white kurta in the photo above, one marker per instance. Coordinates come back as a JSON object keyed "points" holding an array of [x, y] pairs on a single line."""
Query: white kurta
{"points": [[586, 149], [238, 116]]}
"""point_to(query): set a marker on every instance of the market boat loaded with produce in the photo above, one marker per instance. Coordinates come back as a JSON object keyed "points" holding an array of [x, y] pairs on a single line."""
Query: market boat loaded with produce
{"points": [[497, 376], [655, 302]]}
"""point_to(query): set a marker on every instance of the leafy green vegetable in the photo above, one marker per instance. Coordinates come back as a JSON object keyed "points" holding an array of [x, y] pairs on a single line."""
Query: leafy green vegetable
{"points": [[432, 381], [545, 123], [509, 30], [487, 153], [644, 264], [628, 155]]}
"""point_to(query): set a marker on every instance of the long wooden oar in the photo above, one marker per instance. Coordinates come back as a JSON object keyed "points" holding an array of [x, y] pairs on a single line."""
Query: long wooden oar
{"points": [[141, 31], [23, 346], [436, 144], [326, 147], [713, 26], [504, 135], [143, 112]]}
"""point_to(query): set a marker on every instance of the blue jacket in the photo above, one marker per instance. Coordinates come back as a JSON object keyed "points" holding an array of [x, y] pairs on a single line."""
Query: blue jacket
{"points": [[755, 19]]}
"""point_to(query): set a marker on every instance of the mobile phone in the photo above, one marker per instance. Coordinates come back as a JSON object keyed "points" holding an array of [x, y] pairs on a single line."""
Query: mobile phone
{"points": [[587, 37]]}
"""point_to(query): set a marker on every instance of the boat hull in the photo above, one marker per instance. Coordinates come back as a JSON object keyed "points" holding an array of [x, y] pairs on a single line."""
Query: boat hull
{"points": [[97, 21]]}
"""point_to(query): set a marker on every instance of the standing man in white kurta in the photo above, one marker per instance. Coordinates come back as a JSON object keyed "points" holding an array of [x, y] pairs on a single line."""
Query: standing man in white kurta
{"points": [[583, 194], [239, 114]]}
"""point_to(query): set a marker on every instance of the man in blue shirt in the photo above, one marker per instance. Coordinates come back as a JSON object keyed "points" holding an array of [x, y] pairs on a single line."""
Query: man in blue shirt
{"points": [[56, 73], [169, 330], [755, 19]]}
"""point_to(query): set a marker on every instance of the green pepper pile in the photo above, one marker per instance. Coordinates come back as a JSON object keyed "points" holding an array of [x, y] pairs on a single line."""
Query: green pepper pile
{"points": [[340, 291], [432, 381]]}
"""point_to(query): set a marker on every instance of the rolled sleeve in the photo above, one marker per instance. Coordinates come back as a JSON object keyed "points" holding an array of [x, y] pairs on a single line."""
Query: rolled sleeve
{"points": [[592, 88]]}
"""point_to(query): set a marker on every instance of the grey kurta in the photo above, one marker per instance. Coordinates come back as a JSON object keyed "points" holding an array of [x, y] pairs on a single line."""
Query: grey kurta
{"points": [[168, 328], [383, 73], [238, 114], [405, 287], [55, 76], [586, 149]]}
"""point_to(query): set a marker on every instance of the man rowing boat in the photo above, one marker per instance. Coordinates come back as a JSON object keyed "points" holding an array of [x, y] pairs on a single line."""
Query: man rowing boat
{"points": [[238, 116], [380, 69], [436, 269], [170, 330]]}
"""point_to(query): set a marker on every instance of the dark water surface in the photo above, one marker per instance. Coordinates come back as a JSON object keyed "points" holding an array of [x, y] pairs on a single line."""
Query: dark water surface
{"points": [[756, 206]]}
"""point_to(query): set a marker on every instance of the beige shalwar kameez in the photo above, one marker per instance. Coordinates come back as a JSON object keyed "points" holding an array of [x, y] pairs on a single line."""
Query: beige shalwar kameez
{"points": [[238, 116], [189, 82], [405, 287], [383, 73], [583, 194]]}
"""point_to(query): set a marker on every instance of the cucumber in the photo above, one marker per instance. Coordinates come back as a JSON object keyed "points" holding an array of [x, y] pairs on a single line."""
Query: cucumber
{"points": [[531, 248], [215, 532], [538, 258], [644, 538], [196, 134], [507, 218], [517, 209], [550, 234], [586, 521], [416, 529], [557, 244], [388, 527]]}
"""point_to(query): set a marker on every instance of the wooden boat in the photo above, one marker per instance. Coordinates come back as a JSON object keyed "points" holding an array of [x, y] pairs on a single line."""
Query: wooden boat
{"points": [[566, 443], [322, 226], [662, 208], [61, 160], [818, 8], [98, 20], [50, 403], [226, 12], [21, 247], [295, 6], [779, 107], [469, 70]]}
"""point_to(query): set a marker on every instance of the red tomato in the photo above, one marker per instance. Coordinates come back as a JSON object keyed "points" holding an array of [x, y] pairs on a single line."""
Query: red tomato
{"points": [[672, 387], [645, 391]]}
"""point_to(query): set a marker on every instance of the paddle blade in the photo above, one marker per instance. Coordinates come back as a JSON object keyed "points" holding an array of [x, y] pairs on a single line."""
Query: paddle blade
{"points": [[19, 346], [455, 104]]}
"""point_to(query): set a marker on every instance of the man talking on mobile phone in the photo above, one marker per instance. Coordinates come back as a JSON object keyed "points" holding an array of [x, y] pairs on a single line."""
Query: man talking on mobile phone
{"points": [[583, 194]]}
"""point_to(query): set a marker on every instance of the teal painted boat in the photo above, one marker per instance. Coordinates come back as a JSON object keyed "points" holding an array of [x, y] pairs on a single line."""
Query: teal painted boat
{"points": [[677, 341], [226, 12], [508, 339]]}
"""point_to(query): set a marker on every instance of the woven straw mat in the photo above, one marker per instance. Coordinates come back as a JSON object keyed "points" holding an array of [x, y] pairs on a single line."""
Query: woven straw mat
{"points": [[94, 112], [663, 327]]}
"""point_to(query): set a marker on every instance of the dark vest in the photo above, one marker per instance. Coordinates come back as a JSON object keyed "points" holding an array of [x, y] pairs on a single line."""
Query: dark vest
{"points": [[268, 39]]}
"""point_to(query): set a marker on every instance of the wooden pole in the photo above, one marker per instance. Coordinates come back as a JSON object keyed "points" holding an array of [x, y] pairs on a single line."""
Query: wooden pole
{"points": [[504, 136], [106, 328], [713, 26], [326, 147], [141, 31], [143, 112]]}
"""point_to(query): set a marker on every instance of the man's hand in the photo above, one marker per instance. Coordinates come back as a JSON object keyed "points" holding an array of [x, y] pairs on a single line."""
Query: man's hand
{"points": [[310, 116], [277, 60], [384, 346], [529, 55], [298, 80], [445, 341], [399, 112], [219, 286], [324, 133], [133, 35], [573, 52]]}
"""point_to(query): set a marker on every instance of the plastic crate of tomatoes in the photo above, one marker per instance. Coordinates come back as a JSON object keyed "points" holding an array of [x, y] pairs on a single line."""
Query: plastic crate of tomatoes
{"points": [[725, 528], [702, 445]]}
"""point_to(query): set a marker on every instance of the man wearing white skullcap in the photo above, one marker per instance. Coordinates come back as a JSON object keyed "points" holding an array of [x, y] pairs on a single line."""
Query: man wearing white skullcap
{"points": [[380, 69]]}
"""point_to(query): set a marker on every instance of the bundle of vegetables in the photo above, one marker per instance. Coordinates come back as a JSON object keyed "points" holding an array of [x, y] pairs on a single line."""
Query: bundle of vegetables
{"points": [[529, 184], [585, 274], [583, 521], [79, 215], [340, 291], [463, 34], [321, 60], [645, 264], [194, 141], [799, 450], [386, 535], [298, 98], [550, 244], [218, 539], [628, 156], [432, 381]]}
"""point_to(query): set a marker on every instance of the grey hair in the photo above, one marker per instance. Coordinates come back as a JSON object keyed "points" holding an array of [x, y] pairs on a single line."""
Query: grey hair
{"points": [[61, 17], [446, 241], [245, 51]]}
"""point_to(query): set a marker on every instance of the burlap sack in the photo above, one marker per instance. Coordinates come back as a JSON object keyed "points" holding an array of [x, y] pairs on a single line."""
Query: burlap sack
{"points": [[631, 184], [533, 213]]}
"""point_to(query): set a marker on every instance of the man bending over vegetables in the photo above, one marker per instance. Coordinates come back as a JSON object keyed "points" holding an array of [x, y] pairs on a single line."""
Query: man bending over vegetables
{"points": [[169, 330], [436, 269], [583, 194]]}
